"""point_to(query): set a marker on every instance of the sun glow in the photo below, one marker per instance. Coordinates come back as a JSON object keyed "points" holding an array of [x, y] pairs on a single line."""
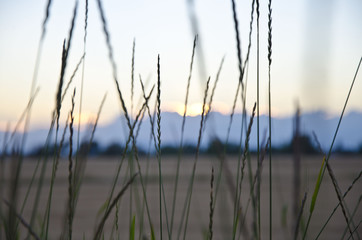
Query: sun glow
{"points": [[193, 110], [85, 118]]}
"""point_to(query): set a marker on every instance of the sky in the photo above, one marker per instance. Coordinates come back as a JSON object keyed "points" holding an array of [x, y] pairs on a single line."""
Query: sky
{"points": [[316, 47]]}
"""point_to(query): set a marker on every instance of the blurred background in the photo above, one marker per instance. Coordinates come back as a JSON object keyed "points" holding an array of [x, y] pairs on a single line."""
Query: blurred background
{"points": [[316, 50]]}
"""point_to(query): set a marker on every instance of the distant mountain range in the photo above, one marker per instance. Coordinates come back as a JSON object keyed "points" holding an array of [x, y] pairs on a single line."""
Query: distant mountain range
{"points": [[349, 136]]}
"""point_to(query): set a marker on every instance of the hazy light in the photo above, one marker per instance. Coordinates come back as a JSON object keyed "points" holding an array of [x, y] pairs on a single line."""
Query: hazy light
{"points": [[193, 109], [316, 48], [85, 118]]}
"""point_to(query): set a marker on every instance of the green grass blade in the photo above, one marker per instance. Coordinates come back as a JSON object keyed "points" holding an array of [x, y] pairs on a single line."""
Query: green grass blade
{"points": [[111, 206], [132, 229], [317, 186], [315, 195], [321, 173]]}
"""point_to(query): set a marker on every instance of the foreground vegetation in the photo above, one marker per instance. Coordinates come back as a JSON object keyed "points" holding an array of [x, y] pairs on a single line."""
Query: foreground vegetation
{"points": [[169, 216]]}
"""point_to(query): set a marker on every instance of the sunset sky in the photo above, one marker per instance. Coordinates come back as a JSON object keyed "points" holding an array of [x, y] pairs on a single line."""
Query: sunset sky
{"points": [[316, 48]]}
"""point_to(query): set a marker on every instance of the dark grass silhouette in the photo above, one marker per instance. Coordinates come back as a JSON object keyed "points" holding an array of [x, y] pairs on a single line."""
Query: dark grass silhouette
{"points": [[12, 213]]}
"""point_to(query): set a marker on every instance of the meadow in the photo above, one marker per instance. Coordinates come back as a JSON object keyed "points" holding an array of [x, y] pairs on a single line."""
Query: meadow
{"points": [[99, 173], [154, 196]]}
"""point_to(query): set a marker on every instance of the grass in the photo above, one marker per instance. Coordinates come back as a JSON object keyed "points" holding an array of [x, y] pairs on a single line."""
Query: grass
{"points": [[211, 215], [244, 181], [326, 158], [182, 136]]}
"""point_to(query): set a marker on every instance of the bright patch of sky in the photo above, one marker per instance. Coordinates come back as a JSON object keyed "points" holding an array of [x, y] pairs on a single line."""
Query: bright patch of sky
{"points": [[316, 49]]}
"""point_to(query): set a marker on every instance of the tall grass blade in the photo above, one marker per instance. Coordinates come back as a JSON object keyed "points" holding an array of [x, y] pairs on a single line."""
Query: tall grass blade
{"points": [[33, 88], [82, 163], [11, 223], [22, 221], [132, 229], [131, 137], [190, 188], [130, 159], [83, 72], [152, 139], [240, 83], [355, 229], [238, 42], [160, 185], [40, 47], [348, 227], [112, 61], [17, 173], [65, 54], [58, 98], [211, 213], [7, 141], [340, 199], [321, 173], [159, 140], [336, 207], [72, 77], [115, 78], [196, 32], [296, 146], [124, 108], [315, 194], [79, 169], [222, 157], [226, 142], [296, 231], [342, 203], [150, 116], [81, 92], [182, 136], [214, 88], [43, 155], [250, 33], [132, 74], [42, 171], [237, 206], [252, 197], [99, 231], [270, 120], [70, 171], [258, 111], [2, 175]]}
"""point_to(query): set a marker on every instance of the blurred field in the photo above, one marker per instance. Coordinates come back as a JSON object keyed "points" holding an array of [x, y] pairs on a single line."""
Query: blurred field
{"points": [[100, 173]]}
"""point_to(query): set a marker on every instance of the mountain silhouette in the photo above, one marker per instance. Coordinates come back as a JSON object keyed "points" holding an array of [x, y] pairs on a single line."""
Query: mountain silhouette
{"points": [[348, 138]]}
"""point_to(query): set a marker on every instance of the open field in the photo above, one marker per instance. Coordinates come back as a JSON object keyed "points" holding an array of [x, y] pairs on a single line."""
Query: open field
{"points": [[259, 197], [99, 175]]}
